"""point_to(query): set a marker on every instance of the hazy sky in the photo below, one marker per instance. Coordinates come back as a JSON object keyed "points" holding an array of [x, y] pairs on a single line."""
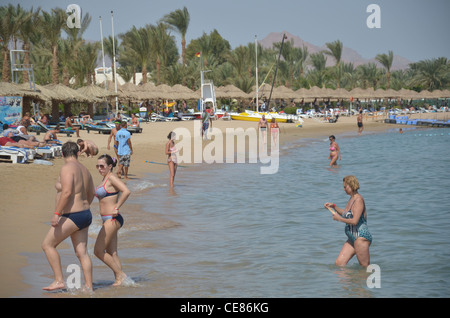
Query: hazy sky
{"points": [[415, 29]]}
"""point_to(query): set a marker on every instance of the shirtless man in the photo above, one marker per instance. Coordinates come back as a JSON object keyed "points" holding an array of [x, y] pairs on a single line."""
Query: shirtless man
{"points": [[70, 126], [112, 136], [50, 136], [88, 147], [359, 120], [74, 194], [262, 125]]}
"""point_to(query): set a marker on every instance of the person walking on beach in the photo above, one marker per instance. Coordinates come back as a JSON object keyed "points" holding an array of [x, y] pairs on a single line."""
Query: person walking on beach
{"points": [[359, 121], [112, 136], [262, 126], [354, 215], [335, 152], [74, 194], [171, 151], [206, 121], [124, 149], [110, 202]]}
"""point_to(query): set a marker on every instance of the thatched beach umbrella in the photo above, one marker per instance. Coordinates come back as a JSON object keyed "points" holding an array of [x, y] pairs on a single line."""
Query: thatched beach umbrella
{"points": [[10, 89], [183, 92], [96, 94], [66, 95]]}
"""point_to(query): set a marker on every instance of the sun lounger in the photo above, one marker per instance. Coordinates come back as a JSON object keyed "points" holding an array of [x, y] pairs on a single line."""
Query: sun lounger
{"points": [[45, 128], [17, 155], [49, 151], [133, 129], [102, 128]]}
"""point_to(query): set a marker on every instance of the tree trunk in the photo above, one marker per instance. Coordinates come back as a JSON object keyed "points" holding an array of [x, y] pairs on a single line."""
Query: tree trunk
{"points": [[55, 70], [5, 71]]}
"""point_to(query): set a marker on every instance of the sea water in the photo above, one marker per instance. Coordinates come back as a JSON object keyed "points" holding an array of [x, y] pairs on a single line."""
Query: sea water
{"points": [[228, 231]]}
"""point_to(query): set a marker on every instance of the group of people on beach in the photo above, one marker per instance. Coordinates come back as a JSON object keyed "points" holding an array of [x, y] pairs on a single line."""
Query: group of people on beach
{"points": [[354, 215], [75, 193]]}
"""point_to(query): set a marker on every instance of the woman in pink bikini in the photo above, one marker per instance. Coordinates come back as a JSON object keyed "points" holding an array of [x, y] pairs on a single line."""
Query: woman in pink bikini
{"points": [[171, 151], [110, 202], [335, 153]]}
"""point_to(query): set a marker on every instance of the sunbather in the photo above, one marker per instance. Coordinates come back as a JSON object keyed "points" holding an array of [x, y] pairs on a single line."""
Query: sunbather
{"points": [[50, 136], [69, 125]]}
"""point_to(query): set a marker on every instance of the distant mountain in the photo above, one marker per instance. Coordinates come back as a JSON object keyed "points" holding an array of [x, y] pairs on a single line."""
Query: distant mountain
{"points": [[348, 54]]}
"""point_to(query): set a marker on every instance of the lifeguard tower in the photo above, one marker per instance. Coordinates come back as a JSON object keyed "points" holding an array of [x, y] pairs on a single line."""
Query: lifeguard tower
{"points": [[207, 92]]}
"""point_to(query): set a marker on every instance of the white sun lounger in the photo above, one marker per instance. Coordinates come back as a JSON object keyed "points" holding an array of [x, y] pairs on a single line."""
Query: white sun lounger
{"points": [[17, 155]]}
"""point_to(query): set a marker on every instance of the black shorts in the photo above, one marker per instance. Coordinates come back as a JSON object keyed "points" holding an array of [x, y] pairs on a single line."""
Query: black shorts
{"points": [[360, 124]]}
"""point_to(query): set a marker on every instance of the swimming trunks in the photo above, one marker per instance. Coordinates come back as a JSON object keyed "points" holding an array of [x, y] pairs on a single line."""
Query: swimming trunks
{"points": [[359, 230], [100, 191], [360, 124], [81, 219], [118, 218]]}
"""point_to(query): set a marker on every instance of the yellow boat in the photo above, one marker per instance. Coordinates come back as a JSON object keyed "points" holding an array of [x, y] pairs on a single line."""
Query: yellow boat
{"points": [[257, 117]]}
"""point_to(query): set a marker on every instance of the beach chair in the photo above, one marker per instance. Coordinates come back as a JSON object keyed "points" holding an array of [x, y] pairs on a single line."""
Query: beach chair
{"points": [[133, 129], [44, 129], [101, 127], [16, 155]]}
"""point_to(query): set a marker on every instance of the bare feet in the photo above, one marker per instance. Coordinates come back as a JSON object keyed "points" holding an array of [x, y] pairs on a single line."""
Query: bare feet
{"points": [[120, 279], [54, 286]]}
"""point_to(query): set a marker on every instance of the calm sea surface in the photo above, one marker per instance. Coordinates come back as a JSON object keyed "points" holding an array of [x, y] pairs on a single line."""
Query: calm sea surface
{"points": [[228, 231]]}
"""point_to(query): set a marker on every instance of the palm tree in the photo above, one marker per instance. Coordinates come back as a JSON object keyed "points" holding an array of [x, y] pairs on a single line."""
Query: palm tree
{"points": [[335, 50], [138, 40], [52, 24], [111, 51], [431, 74], [369, 74], [179, 21], [162, 47], [11, 19], [386, 61], [26, 31]]}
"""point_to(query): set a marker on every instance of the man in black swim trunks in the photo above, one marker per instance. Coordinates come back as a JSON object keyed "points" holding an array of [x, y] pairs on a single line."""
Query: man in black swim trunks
{"points": [[74, 194], [359, 120]]}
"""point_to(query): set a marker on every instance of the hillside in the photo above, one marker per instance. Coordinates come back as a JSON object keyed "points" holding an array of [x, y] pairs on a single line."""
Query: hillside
{"points": [[348, 54]]}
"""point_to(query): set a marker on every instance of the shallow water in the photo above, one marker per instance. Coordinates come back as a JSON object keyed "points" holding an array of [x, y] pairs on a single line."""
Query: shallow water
{"points": [[228, 231]]}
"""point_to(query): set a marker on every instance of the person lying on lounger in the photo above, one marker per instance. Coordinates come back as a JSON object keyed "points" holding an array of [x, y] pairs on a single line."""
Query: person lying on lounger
{"points": [[50, 136]]}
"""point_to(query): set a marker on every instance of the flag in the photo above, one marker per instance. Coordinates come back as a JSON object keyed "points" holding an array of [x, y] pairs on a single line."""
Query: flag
{"points": [[197, 54]]}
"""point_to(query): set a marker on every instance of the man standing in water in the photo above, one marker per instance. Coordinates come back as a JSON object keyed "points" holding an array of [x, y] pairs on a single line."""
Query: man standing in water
{"points": [[74, 194], [359, 120], [262, 125]]}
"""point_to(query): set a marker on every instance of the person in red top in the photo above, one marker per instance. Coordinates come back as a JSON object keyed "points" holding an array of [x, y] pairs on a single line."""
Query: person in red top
{"points": [[8, 142]]}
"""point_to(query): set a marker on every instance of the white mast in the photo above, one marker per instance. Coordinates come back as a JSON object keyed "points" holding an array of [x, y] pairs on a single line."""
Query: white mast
{"points": [[114, 61], [257, 85]]}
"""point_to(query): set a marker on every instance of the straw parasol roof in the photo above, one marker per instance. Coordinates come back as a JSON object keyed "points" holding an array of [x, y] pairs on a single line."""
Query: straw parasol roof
{"points": [[10, 89], [95, 92], [41, 93], [183, 92], [67, 94]]}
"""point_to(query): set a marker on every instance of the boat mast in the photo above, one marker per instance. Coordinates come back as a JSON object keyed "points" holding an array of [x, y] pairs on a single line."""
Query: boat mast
{"points": [[276, 69], [257, 84]]}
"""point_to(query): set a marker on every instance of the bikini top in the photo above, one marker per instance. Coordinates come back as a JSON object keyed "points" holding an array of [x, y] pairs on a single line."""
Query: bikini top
{"points": [[332, 148], [100, 191]]}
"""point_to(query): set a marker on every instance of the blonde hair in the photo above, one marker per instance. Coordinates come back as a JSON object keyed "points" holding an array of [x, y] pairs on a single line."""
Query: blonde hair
{"points": [[352, 182]]}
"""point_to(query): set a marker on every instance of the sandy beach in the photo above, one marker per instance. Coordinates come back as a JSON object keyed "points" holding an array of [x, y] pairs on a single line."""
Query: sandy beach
{"points": [[28, 193]]}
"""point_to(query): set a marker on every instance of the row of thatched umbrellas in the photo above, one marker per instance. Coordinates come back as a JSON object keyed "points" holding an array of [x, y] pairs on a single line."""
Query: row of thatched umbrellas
{"points": [[91, 94]]}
